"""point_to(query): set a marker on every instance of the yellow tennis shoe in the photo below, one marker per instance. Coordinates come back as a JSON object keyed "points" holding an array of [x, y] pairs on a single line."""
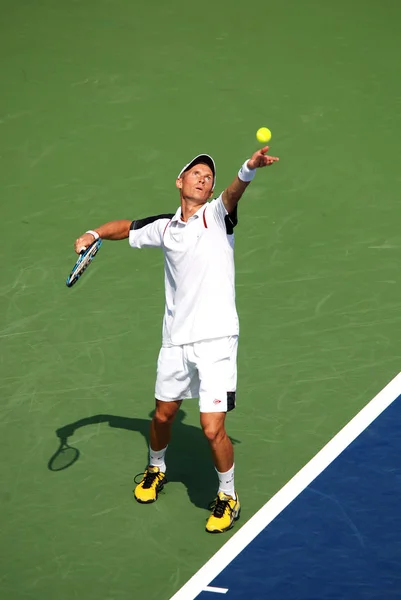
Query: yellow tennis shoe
{"points": [[225, 510], [151, 484]]}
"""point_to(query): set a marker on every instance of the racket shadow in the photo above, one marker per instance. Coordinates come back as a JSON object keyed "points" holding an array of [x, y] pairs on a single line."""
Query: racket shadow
{"points": [[64, 457], [188, 456]]}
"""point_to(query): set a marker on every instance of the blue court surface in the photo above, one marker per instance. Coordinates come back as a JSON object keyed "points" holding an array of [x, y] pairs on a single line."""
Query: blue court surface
{"points": [[333, 532]]}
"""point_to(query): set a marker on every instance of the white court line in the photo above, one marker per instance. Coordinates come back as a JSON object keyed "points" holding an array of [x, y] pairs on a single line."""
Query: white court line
{"points": [[216, 590], [291, 490]]}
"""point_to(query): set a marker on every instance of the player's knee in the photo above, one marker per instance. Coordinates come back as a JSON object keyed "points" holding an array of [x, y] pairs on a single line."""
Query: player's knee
{"points": [[214, 432], [165, 414]]}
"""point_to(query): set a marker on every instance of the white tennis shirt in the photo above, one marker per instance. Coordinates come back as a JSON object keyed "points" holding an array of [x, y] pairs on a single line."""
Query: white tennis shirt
{"points": [[199, 273]]}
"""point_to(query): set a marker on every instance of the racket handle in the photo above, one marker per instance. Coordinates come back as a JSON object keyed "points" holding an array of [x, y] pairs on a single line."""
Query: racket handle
{"points": [[82, 249]]}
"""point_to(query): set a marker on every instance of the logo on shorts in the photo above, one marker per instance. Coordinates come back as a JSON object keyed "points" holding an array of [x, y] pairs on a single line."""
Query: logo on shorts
{"points": [[216, 401]]}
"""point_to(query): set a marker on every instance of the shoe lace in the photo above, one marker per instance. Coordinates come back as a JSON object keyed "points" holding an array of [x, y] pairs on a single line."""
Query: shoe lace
{"points": [[147, 478], [219, 507]]}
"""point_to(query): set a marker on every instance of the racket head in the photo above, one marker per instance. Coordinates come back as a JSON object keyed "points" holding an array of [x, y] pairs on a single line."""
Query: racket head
{"points": [[84, 260]]}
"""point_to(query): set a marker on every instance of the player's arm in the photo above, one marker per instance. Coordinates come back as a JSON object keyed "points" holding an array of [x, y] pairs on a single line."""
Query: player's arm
{"points": [[233, 193], [114, 230]]}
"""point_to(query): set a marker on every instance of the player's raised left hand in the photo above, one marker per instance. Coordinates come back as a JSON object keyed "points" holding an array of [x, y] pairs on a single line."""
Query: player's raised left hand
{"points": [[261, 159]]}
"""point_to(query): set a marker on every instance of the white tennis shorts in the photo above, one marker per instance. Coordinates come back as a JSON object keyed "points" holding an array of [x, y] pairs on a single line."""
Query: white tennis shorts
{"points": [[206, 370]]}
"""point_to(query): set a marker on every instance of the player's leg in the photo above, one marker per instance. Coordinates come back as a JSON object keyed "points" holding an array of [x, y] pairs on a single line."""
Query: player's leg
{"points": [[173, 383], [213, 425], [226, 507], [160, 426], [217, 367], [154, 478]]}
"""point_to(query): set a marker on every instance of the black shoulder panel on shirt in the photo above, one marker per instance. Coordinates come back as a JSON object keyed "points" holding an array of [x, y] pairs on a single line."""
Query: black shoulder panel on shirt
{"points": [[231, 220], [139, 223]]}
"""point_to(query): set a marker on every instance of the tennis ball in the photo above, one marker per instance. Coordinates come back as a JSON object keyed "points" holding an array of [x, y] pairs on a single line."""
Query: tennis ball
{"points": [[263, 135]]}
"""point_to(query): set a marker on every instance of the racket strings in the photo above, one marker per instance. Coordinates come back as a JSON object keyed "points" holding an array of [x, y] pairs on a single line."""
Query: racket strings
{"points": [[84, 263]]}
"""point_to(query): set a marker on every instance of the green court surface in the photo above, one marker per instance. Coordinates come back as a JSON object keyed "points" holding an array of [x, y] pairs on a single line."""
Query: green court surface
{"points": [[101, 104]]}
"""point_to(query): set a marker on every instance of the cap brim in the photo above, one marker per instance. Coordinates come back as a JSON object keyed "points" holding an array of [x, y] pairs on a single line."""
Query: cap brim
{"points": [[201, 158]]}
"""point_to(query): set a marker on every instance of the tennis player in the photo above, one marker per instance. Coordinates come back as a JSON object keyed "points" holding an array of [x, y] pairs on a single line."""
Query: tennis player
{"points": [[198, 357]]}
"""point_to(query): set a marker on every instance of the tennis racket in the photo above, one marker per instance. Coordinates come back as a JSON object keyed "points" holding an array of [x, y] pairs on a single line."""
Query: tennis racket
{"points": [[85, 258]]}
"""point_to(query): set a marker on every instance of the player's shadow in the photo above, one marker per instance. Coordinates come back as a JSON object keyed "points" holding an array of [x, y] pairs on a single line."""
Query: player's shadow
{"points": [[188, 456]]}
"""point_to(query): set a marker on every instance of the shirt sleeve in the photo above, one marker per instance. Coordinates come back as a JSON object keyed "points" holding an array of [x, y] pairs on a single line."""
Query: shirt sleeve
{"points": [[148, 233], [219, 210], [225, 220]]}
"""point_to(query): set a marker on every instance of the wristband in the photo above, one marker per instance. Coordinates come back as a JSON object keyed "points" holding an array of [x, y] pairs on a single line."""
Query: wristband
{"points": [[245, 173], [94, 233]]}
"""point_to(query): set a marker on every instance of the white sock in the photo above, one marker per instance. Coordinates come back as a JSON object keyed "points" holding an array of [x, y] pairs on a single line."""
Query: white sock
{"points": [[226, 482], [156, 458]]}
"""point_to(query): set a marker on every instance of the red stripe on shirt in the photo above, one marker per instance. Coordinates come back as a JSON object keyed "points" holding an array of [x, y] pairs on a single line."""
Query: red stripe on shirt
{"points": [[168, 223], [204, 218]]}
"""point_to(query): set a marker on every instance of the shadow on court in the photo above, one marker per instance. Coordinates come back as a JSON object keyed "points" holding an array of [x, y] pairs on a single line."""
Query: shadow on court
{"points": [[188, 456]]}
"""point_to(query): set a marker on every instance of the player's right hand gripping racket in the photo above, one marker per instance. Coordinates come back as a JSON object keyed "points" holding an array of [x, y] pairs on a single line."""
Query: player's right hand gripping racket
{"points": [[84, 260]]}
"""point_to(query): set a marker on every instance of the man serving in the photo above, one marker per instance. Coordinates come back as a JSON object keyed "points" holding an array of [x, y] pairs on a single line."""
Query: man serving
{"points": [[198, 357]]}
